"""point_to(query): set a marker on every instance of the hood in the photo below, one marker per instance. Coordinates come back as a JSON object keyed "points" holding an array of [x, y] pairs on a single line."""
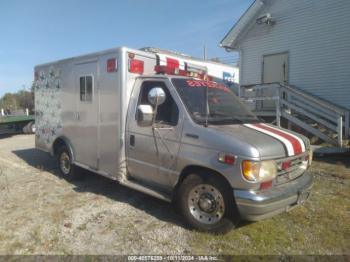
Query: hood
{"points": [[270, 141]]}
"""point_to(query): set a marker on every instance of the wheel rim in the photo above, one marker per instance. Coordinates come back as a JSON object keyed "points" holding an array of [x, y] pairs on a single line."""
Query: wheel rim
{"points": [[33, 128], [65, 163], [206, 204]]}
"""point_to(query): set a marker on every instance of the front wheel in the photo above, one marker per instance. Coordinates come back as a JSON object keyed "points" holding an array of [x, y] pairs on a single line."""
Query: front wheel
{"points": [[206, 203], [67, 169]]}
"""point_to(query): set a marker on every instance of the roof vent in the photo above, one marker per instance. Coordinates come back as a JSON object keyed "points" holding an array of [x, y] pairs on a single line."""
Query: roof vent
{"points": [[265, 19]]}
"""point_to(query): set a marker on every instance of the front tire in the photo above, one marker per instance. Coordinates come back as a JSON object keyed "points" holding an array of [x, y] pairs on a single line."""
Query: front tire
{"points": [[67, 169], [207, 204]]}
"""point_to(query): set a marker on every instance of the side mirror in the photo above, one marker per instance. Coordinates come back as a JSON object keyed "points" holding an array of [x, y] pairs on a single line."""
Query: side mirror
{"points": [[145, 115], [156, 96]]}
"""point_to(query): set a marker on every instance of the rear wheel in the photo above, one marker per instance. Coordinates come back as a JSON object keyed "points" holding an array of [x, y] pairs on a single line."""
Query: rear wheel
{"points": [[206, 203], [67, 169]]}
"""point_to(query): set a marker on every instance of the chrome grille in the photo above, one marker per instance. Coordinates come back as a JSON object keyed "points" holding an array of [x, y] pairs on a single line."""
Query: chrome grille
{"points": [[296, 167]]}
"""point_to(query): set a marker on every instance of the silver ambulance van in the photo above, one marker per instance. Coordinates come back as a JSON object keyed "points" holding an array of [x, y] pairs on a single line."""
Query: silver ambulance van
{"points": [[169, 126]]}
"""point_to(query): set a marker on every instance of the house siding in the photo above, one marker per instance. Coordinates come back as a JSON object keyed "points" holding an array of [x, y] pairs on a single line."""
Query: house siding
{"points": [[316, 34]]}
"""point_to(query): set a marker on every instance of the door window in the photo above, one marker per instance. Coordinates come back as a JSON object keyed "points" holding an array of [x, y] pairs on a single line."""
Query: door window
{"points": [[168, 112]]}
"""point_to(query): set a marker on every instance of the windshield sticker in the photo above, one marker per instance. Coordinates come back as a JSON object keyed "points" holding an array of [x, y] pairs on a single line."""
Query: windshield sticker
{"points": [[228, 78], [209, 84]]}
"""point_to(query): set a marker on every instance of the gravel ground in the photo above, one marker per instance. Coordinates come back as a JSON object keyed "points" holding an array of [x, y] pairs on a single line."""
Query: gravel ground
{"points": [[43, 214]]}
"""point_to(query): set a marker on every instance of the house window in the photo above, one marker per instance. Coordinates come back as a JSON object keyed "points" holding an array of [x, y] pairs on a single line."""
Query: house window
{"points": [[86, 88]]}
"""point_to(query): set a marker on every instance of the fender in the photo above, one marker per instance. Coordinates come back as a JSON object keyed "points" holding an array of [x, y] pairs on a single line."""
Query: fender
{"points": [[63, 140]]}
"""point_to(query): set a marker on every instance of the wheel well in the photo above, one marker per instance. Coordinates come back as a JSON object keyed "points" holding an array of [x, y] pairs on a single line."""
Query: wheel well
{"points": [[197, 169], [57, 144]]}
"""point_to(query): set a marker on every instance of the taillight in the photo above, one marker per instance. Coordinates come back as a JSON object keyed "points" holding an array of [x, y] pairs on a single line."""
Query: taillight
{"points": [[136, 66], [111, 65]]}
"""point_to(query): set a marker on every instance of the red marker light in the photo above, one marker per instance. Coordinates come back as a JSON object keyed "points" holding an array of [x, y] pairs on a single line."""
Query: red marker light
{"points": [[136, 66], [266, 185], [169, 70], [286, 165], [225, 158], [172, 63], [111, 65]]}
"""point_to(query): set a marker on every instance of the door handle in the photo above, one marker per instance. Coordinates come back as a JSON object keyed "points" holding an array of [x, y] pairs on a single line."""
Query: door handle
{"points": [[77, 115], [132, 140]]}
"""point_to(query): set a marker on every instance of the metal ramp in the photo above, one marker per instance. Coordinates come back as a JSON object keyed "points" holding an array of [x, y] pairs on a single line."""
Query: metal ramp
{"points": [[319, 117]]}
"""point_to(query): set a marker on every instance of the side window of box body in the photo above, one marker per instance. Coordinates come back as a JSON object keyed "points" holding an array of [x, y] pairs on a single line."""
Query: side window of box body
{"points": [[86, 88]]}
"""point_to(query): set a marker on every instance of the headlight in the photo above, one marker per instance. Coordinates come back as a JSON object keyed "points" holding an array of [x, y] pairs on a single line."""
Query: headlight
{"points": [[259, 171], [308, 159]]}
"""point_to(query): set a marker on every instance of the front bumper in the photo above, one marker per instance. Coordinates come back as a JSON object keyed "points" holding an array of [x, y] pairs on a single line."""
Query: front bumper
{"points": [[257, 205]]}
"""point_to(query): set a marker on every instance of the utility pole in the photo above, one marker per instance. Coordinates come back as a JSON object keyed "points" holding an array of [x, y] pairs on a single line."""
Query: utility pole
{"points": [[205, 51]]}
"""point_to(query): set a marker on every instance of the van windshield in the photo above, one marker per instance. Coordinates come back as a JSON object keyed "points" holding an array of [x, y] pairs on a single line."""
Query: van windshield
{"points": [[212, 102]]}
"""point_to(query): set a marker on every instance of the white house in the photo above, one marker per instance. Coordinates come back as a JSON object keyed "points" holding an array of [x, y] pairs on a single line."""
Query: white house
{"points": [[305, 46], [304, 43]]}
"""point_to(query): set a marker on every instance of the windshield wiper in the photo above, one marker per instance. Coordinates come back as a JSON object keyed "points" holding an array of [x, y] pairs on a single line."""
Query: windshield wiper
{"points": [[243, 118], [223, 118], [207, 121], [217, 116], [217, 113]]}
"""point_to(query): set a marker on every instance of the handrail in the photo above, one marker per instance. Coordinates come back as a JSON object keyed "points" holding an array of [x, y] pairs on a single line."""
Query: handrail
{"points": [[292, 98], [317, 100], [302, 93]]}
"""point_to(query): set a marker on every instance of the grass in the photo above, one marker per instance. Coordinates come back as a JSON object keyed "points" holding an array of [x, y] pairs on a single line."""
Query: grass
{"points": [[321, 226]]}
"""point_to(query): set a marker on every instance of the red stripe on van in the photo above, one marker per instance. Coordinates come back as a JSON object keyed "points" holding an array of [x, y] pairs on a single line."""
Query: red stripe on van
{"points": [[295, 143]]}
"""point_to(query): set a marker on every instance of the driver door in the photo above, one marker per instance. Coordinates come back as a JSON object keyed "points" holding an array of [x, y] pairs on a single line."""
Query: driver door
{"points": [[152, 151]]}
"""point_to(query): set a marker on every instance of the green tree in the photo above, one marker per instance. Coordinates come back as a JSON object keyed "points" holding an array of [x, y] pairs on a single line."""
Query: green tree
{"points": [[25, 100], [18, 101], [9, 101]]}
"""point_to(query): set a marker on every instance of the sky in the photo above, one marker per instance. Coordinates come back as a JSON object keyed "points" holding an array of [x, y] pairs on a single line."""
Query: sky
{"points": [[39, 31]]}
